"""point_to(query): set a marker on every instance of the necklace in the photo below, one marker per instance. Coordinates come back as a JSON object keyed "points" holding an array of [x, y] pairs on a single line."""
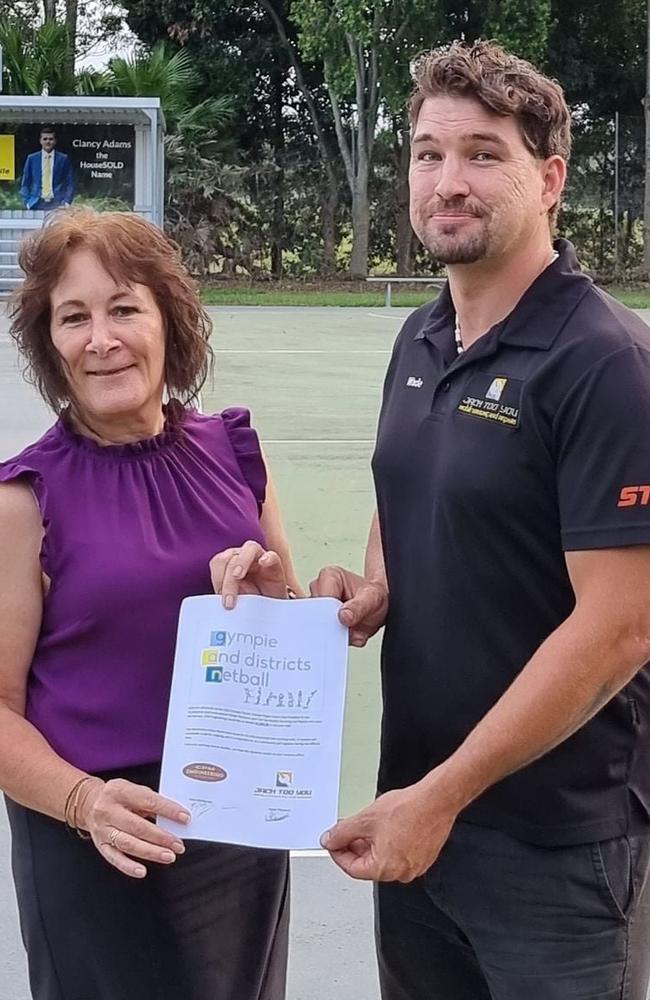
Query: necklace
{"points": [[459, 340], [457, 334]]}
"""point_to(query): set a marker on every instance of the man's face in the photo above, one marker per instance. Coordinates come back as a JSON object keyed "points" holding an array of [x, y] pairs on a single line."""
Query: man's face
{"points": [[476, 190], [48, 141]]}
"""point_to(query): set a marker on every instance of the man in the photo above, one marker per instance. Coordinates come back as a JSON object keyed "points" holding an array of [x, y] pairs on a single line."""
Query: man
{"points": [[511, 836], [48, 178]]}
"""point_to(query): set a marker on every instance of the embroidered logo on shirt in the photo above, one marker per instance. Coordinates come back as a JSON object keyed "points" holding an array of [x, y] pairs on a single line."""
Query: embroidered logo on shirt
{"points": [[493, 399], [414, 383]]}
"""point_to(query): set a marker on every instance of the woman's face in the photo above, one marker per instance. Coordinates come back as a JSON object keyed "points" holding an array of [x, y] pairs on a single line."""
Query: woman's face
{"points": [[111, 339]]}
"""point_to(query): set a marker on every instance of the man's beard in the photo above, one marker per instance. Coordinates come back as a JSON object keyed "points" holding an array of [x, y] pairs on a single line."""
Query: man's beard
{"points": [[455, 248], [449, 244]]}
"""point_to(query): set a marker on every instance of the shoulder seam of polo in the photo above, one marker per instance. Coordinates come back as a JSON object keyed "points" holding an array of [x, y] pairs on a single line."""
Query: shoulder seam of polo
{"points": [[587, 371]]}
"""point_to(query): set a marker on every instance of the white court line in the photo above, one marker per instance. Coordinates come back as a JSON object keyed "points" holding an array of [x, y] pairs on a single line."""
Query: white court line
{"points": [[288, 351], [318, 440]]}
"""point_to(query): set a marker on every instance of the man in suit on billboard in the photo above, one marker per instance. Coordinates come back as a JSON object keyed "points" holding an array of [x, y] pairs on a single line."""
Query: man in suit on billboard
{"points": [[48, 178]]}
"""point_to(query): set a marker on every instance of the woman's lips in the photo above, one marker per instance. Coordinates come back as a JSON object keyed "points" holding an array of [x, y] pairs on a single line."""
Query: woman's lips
{"points": [[112, 371]]}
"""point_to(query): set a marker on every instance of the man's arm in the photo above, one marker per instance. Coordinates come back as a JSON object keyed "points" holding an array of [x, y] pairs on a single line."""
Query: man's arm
{"points": [[365, 598], [573, 674], [374, 567], [26, 181], [68, 180]]}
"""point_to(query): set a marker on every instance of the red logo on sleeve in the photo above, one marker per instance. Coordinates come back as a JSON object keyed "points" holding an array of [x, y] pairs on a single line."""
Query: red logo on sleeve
{"points": [[634, 496]]}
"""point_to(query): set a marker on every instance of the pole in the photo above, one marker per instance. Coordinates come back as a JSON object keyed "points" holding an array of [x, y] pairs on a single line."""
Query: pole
{"points": [[617, 137], [646, 109]]}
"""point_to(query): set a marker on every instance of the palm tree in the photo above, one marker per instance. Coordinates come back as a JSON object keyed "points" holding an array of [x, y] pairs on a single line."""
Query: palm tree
{"points": [[171, 76], [36, 58]]}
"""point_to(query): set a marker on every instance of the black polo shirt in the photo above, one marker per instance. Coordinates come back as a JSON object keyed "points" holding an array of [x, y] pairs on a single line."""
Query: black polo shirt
{"points": [[488, 468]]}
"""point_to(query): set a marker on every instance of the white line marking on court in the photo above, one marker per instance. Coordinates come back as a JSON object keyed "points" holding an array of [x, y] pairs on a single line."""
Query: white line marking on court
{"points": [[318, 440], [369, 350], [380, 316], [317, 852]]}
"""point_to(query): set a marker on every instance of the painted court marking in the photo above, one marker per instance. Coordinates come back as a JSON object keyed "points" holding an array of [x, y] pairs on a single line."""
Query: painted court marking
{"points": [[370, 350], [381, 316], [318, 440]]}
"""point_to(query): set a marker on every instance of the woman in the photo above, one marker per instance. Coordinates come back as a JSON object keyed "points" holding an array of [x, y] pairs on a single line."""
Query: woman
{"points": [[106, 523]]}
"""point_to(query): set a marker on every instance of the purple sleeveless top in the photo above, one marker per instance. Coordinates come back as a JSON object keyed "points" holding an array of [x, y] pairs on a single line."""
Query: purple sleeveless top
{"points": [[129, 532]]}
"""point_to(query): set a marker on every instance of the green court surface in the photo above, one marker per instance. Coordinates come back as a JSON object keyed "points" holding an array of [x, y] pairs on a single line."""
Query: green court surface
{"points": [[312, 378]]}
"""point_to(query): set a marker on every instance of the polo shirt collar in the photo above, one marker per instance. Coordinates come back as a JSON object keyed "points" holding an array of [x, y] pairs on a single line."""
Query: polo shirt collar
{"points": [[539, 315]]}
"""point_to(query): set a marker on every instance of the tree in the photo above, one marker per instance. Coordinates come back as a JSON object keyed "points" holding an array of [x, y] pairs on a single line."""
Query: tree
{"points": [[276, 13], [646, 203], [522, 26], [345, 35], [411, 29], [365, 49], [35, 58], [598, 52]]}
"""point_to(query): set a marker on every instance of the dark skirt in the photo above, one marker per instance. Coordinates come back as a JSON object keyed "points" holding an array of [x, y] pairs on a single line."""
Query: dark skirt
{"points": [[212, 926]]}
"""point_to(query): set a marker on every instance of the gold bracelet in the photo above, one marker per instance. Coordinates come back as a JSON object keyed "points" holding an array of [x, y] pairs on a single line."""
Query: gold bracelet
{"points": [[84, 834], [72, 803]]}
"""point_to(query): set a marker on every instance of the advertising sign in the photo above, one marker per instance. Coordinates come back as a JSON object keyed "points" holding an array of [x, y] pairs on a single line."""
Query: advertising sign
{"points": [[7, 158], [58, 165]]}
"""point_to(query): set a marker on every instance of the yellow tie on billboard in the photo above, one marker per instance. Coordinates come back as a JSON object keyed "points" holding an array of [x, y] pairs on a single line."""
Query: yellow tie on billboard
{"points": [[7, 158], [47, 177]]}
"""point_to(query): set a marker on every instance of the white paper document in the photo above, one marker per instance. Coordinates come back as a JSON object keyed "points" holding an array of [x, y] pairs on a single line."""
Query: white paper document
{"points": [[254, 730]]}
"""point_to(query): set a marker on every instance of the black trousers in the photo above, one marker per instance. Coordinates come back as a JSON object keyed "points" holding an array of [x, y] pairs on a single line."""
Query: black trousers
{"points": [[212, 926], [498, 919]]}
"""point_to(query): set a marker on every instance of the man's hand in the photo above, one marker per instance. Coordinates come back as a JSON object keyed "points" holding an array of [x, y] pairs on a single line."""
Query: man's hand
{"points": [[397, 838], [365, 601], [248, 570]]}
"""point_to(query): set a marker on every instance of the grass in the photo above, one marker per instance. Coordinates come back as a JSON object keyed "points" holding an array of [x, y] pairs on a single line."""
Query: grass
{"points": [[635, 298], [251, 295], [321, 297]]}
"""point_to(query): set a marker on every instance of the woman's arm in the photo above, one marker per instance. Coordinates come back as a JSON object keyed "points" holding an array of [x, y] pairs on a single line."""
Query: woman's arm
{"points": [[276, 536], [251, 569], [31, 773]]}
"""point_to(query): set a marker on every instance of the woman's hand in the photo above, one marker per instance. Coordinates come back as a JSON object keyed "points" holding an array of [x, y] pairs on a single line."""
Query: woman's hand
{"points": [[247, 570], [118, 816]]}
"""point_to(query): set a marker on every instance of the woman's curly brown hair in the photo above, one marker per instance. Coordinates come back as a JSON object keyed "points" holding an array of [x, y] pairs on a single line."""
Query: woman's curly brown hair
{"points": [[133, 251], [502, 82]]}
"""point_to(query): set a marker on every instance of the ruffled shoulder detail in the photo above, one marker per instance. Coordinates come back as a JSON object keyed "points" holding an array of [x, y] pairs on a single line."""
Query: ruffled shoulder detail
{"points": [[246, 446], [19, 468]]}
